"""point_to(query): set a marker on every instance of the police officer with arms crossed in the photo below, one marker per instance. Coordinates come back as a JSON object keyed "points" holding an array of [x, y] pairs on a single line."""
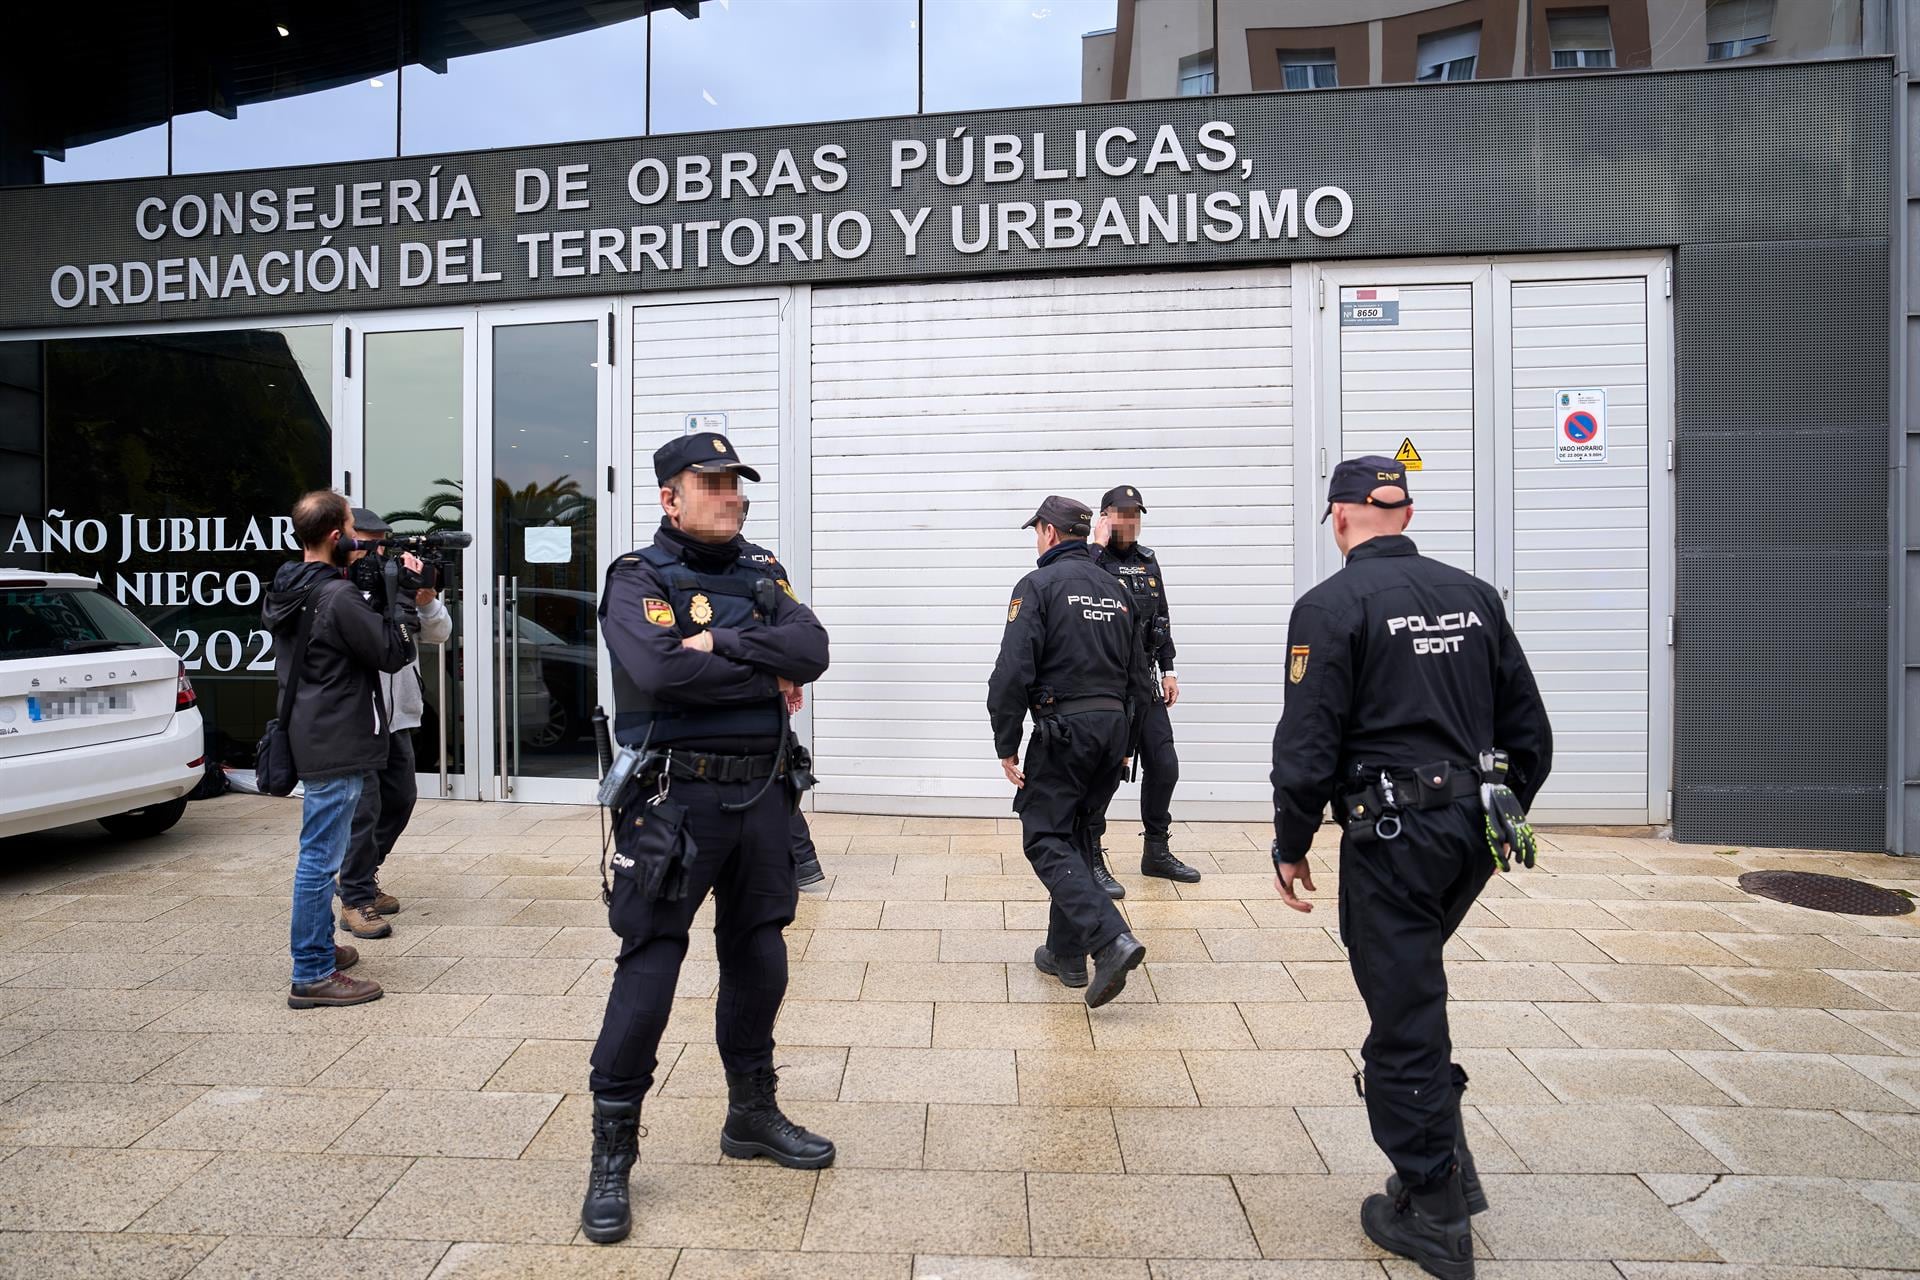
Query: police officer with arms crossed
{"points": [[1117, 549], [1070, 655], [1411, 709], [707, 650]]}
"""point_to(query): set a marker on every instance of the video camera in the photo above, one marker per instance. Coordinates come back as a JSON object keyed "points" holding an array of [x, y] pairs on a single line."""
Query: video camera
{"points": [[390, 585]]}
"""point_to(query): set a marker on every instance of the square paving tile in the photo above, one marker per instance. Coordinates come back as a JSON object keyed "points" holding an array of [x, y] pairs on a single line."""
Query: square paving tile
{"points": [[88, 1115], [1170, 1026], [257, 1059], [251, 1258], [553, 1066], [866, 1023], [414, 1062], [274, 1194], [1011, 1026], [75, 1255], [933, 1211], [1635, 1026], [1284, 1077], [735, 1264], [1621, 1075], [57, 1189], [1095, 1215], [1792, 1080], [1078, 1078], [1215, 1140], [102, 1057], [1797, 1221], [1788, 1031], [505, 1201], [441, 1122], [931, 1075], [1570, 1217], [1306, 1216], [1031, 1138], [1611, 1138], [1790, 988], [1315, 1024], [261, 1119], [1762, 1140]]}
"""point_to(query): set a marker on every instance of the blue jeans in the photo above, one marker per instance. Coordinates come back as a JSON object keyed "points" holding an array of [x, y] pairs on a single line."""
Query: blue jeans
{"points": [[326, 822]]}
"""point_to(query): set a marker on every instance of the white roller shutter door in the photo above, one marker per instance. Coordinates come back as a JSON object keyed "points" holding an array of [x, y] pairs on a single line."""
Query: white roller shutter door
{"points": [[1580, 561], [943, 413], [708, 357]]}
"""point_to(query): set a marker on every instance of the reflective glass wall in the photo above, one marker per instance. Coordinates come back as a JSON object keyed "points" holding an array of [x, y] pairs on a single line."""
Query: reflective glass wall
{"points": [[236, 84], [145, 491]]}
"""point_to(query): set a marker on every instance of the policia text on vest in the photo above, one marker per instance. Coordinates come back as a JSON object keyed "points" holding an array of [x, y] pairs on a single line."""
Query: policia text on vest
{"points": [[709, 651]]}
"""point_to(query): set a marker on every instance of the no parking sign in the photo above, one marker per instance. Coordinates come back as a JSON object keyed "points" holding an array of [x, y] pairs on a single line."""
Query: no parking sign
{"points": [[1581, 433]]}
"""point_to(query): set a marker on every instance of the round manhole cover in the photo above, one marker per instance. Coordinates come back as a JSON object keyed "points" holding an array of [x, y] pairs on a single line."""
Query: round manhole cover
{"points": [[1826, 893]]}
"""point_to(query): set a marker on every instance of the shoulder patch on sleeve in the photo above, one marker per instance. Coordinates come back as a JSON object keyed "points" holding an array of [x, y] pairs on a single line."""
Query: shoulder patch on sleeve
{"points": [[1013, 609], [659, 612], [788, 588], [1297, 662]]}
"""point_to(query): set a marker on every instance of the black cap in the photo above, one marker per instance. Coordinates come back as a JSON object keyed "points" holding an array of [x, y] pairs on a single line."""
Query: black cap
{"points": [[1123, 497], [365, 521], [702, 451], [1355, 479], [1069, 517]]}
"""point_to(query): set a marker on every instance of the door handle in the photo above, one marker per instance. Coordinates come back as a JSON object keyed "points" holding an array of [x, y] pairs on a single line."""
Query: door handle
{"points": [[500, 682], [513, 641], [440, 704]]}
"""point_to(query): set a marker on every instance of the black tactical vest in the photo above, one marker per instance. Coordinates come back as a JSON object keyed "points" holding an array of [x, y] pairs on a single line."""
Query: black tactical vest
{"points": [[700, 601]]}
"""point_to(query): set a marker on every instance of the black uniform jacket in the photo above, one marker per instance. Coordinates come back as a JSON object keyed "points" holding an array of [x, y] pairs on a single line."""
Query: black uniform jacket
{"points": [[1399, 661], [1071, 632], [1146, 577], [745, 659]]}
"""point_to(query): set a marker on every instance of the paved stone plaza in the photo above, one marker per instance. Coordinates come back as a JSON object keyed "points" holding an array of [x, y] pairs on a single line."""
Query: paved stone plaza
{"points": [[1667, 1073]]}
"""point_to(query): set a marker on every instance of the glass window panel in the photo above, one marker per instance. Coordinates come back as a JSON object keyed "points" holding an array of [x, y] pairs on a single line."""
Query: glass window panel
{"points": [[141, 154], [1579, 29], [356, 121], [413, 416], [1731, 20], [756, 62], [140, 434], [1309, 69], [1010, 53], [1448, 55], [588, 85], [546, 415]]}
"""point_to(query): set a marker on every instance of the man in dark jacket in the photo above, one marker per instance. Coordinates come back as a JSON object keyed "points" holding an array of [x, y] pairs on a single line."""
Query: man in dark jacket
{"points": [[337, 727]]}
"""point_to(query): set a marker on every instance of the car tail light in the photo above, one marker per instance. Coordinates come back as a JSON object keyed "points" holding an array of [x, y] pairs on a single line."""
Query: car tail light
{"points": [[185, 697], [198, 762]]}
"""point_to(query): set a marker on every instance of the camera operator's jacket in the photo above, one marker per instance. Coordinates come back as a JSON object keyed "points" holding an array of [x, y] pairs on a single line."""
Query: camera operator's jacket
{"points": [[405, 691], [339, 721]]}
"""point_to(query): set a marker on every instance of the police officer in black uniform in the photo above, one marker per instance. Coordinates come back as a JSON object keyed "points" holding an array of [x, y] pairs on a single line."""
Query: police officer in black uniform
{"points": [[1118, 550], [1411, 709], [707, 645], [1070, 654]]}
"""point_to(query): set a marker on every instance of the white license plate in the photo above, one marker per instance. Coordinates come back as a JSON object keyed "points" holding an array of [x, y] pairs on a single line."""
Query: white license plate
{"points": [[67, 706]]}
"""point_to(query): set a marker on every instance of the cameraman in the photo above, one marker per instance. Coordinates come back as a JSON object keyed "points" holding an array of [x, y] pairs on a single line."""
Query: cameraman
{"points": [[328, 643], [386, 802]]}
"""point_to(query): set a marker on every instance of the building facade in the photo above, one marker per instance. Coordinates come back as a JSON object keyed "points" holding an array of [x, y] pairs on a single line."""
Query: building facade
{"points": [[1634, 326]]}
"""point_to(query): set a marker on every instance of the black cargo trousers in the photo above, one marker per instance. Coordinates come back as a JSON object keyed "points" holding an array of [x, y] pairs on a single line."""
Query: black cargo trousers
{"points": [[1400, 900], [1072, 770], [746, 860]]}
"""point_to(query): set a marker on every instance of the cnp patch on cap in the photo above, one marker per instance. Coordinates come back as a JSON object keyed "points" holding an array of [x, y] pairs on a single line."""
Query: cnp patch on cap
{"points": [[702, 451], [1123, 497]]}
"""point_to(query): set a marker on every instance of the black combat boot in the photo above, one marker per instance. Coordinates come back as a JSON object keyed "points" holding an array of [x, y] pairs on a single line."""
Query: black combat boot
{"points": [[1469, 1176], [1156, 859], [1103, 877], [1070, 973], [604, 1214], [1110, 966], [1427, 1226], [756, 1126]]}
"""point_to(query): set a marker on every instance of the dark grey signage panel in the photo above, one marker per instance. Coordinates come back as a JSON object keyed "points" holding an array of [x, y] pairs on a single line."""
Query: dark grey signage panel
{"points": [[1500, 167]]}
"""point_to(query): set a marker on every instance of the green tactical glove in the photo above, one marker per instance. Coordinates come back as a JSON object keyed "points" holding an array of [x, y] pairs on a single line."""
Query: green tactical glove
{"points": [[1507, 826]]}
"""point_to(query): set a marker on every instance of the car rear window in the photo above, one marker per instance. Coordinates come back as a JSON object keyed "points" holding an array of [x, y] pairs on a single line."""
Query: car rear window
{"points": [[45, 622]]}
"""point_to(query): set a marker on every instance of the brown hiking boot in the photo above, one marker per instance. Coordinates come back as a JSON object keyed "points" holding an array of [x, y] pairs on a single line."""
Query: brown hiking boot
{"points": [[344, 958], [334, 989], [364, 922], [385, 903]]}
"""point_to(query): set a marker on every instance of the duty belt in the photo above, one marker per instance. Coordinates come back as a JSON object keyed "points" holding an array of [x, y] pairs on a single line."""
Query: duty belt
{"points": [[707, 767], [1392, 791], [1073, 706]]}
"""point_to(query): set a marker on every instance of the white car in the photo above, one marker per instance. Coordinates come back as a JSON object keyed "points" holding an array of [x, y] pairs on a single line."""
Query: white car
{"points": [[97, 717]]}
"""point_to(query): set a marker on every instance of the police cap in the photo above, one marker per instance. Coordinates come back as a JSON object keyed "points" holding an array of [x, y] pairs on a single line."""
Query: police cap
{"points": [[702, 451], [1355, 479], [367, 524], [1123, 497], [1069, 517]]}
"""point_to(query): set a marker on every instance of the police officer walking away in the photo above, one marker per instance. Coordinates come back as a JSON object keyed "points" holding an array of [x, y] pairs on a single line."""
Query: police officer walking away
{"points": [[1070, 655], [1411, 709], [706, 649], [1118, 550]]}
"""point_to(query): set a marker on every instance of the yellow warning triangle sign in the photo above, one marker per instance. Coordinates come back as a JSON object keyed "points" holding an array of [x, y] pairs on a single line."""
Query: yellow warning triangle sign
{"points": [[1408, 455]]}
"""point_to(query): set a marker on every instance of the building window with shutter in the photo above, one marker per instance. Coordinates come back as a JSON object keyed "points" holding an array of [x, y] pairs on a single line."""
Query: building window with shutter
{"points": [[1448, 55], [1309, 69], [1196, 75], [1737, 28], [1581, 38]]}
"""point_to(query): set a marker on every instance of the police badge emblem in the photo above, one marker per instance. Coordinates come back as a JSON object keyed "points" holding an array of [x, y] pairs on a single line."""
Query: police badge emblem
{"points": [[1013, 610], [701, 610], [719, 446], [1297, 663], [659, 612]]}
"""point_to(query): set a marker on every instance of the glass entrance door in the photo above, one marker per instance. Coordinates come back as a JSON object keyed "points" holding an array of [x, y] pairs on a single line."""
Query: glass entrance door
{"points": [[496, 423]]}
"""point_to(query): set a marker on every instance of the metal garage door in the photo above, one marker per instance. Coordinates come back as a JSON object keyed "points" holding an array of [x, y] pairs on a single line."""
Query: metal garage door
{"points": [[943, 413], [1589, 540]]}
